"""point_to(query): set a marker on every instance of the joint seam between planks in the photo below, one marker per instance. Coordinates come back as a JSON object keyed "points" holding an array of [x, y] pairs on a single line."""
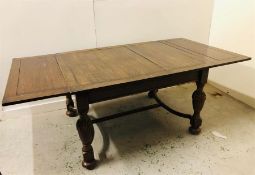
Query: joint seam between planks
{"points": [[184, 49], [67, 87], [126, 46]]}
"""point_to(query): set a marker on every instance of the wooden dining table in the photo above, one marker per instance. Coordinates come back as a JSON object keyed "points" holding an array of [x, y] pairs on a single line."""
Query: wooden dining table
{"points": [[100, 74]]}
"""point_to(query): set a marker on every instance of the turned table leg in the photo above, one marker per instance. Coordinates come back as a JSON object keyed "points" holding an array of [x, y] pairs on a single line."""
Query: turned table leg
{"points": [[198, 100], [86, 132], [70, 110]]}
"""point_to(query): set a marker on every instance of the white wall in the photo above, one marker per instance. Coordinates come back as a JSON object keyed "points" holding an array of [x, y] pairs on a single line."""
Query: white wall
{"points": [[129, 21], [233, 28], [35, 27]]}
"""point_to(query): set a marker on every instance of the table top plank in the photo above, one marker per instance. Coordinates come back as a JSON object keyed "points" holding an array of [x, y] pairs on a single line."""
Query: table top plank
{"points": [[42, 77], [219, 55], [12, 83], [34, 77], [169, 57], [84, 69]]}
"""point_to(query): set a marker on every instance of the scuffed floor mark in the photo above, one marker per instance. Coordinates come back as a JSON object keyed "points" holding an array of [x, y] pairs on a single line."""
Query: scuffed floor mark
{"points": [[179, 136], [216, 94], [147, 149]]}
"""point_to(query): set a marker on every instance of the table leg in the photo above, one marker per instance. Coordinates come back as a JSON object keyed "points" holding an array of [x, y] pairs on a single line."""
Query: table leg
{"points": [[198, 100], [70, 110], [86, 132], [152, 92]]}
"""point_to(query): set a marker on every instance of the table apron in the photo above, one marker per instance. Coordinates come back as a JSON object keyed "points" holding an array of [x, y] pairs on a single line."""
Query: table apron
{"points": [[125, 89]]}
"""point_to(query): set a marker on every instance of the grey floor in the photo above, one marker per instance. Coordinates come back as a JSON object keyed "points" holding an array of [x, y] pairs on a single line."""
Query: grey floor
{"points": [[43, 141]]}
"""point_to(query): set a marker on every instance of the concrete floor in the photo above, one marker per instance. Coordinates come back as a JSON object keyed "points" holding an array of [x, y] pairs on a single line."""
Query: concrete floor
{"points": [[43, 141]]}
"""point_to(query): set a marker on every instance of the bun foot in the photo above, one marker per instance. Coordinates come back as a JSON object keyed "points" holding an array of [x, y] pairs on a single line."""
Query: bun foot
{"points": [[72, 112], [89, 165], [194, 131]]}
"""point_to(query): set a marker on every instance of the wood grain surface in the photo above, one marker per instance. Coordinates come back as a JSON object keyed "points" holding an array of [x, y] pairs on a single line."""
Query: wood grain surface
{"points": [[42, 77], [34, 78], [84, 69]]}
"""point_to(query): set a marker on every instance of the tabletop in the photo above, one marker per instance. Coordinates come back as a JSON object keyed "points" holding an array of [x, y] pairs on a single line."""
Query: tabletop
{"points": [[41, 77]]}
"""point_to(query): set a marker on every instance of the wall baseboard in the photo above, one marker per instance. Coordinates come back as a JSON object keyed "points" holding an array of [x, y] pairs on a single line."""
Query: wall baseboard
{"points": [[235, 94]]}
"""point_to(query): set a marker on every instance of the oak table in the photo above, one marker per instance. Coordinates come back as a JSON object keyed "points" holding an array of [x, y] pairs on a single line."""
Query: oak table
{"points": [[106, 73]]}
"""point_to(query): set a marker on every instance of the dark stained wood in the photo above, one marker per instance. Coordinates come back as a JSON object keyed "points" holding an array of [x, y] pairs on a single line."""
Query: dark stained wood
{"points": [[39, 74], [90, 69], [129, 88], [152, 93], [86, 131], [163, 105], [169, 58], [122, 114], [42, 77], [198, 100], [70, 110], [13, 79], [34, 78], [220, 56], [102, 74], [94, 68], [195, 47]]}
